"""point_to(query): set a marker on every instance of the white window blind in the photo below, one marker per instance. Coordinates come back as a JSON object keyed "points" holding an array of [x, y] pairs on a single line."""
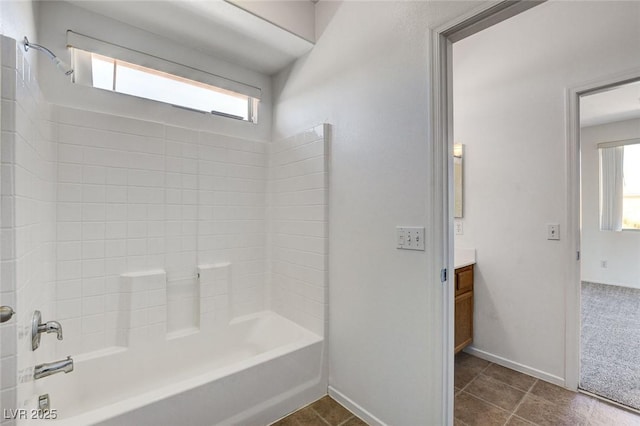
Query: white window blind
{"points": [[611, 188], [110, 67]]}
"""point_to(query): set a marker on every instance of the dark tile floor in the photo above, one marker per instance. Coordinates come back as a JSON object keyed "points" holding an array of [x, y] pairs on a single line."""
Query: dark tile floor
{"points": [[488, 394], [323, 412]]}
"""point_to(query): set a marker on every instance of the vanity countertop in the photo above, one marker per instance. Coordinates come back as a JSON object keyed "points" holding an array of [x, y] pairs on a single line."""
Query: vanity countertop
{"points": [[464, 257]]}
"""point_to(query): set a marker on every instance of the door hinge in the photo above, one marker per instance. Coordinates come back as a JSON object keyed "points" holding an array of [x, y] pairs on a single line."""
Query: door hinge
{"points": [[578, 255], [443, 275]]}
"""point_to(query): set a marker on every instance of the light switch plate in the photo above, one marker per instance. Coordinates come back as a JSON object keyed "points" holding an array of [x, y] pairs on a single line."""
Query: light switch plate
{"points": [[459, 228], [553, 231], [410, 237]]}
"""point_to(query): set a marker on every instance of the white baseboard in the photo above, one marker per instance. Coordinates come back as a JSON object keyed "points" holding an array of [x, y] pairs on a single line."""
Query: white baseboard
{"points": [[369, 418], [515, 366]]}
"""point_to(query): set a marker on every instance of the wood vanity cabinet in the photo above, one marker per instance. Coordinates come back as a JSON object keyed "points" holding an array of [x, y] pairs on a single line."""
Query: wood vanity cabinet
{"points": [[463, 280]]}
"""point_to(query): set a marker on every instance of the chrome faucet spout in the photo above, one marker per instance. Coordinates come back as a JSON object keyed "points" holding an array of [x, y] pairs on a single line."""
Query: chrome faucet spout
{"points": [[49, 368]]}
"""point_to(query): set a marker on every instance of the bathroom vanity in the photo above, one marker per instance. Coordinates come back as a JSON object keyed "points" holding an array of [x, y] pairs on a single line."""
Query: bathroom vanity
{"points": [[463, 281], [463, 307]]}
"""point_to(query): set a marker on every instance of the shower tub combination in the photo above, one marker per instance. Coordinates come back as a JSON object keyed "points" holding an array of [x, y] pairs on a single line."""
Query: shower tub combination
{"points": [[249, 371], [253, 372]]}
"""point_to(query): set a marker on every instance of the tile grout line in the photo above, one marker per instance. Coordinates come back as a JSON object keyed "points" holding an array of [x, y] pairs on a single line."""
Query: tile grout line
{"points": [[512, 413], [467, 385], [346, 420], [487, 402], [461, 422], [507, 384], [318, 414], [582, 416], [473, 380], [521, 401], [475, 377]]}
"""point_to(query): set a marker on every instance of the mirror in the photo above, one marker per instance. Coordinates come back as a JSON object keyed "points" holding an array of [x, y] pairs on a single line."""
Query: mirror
{"points": [[458, 149]]}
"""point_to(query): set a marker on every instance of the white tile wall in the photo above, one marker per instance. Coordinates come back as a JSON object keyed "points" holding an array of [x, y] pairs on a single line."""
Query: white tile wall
{"points": [[27, 222], [136, 195], [8, 331], [232, 225], [298, 227], [142, 308], [214, 295]]}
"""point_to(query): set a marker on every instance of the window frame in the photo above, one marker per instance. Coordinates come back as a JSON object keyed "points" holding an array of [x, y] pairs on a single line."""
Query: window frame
{"points": [[624, 144], [84, 47]]}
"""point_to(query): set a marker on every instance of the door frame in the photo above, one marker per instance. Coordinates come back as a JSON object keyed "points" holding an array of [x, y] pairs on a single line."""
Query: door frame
{"points": [[573, 185], [441, 102], [442, 40]]}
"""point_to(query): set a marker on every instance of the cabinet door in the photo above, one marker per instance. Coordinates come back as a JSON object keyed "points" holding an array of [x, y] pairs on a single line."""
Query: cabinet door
{"points": [[463, 321], [464, 279]]}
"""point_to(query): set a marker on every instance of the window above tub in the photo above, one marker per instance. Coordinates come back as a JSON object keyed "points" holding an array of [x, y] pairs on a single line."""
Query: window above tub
{"points": [[109, 67]]}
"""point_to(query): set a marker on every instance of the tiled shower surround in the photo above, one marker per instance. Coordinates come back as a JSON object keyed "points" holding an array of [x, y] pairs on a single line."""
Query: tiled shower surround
{"points": [[298, 227], [92, 202], [27, 220], [141, 196]]}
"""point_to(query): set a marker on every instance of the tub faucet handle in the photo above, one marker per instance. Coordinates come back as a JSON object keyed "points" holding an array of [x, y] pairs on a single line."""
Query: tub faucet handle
{"points": [[51, 327], [38, 327]]}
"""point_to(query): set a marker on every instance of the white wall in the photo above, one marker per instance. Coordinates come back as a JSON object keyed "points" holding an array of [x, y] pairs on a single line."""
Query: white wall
{"points": [[368, 77], [509, 100], [17, 19], [619, 249]]}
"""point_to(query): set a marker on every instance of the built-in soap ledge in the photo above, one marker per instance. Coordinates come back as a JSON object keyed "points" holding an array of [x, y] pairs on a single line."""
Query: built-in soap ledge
{"points": [[464, 257], [215, 283], [184, 332], [143, 306]]}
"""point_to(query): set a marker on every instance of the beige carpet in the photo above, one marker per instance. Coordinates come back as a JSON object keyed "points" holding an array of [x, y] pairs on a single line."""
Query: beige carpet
{"points": [[610, 344]]}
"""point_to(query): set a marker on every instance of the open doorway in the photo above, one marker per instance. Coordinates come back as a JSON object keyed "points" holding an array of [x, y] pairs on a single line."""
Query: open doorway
{"points": [[610, 271], [521, 202]]}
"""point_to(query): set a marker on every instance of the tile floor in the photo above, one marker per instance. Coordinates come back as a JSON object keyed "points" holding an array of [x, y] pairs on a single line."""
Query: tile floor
{"points": [[489, 394], [323, 412]]}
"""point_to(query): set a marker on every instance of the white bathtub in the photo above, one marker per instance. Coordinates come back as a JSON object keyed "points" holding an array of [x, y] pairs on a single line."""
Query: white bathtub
{"points": [[253, 372]]}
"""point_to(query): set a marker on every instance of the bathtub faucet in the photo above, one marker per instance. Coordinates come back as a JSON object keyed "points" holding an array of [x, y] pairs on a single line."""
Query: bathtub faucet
{"points": [[51, 327], [49, 368], [37, 327]]}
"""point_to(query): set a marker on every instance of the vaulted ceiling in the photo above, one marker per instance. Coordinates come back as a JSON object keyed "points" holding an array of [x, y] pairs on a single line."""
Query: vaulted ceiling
{"points": [[218, 28]]}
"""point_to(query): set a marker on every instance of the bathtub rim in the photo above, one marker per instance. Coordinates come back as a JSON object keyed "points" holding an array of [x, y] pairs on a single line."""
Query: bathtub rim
{"points": [[307, 338]]}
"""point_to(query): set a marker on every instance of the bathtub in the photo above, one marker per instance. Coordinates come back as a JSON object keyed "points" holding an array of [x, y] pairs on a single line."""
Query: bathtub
{"points": [[251, 373]]}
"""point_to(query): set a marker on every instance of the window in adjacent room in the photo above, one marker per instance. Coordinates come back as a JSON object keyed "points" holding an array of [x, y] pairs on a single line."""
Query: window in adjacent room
{"points": [[620, 187], [631, 188]]}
